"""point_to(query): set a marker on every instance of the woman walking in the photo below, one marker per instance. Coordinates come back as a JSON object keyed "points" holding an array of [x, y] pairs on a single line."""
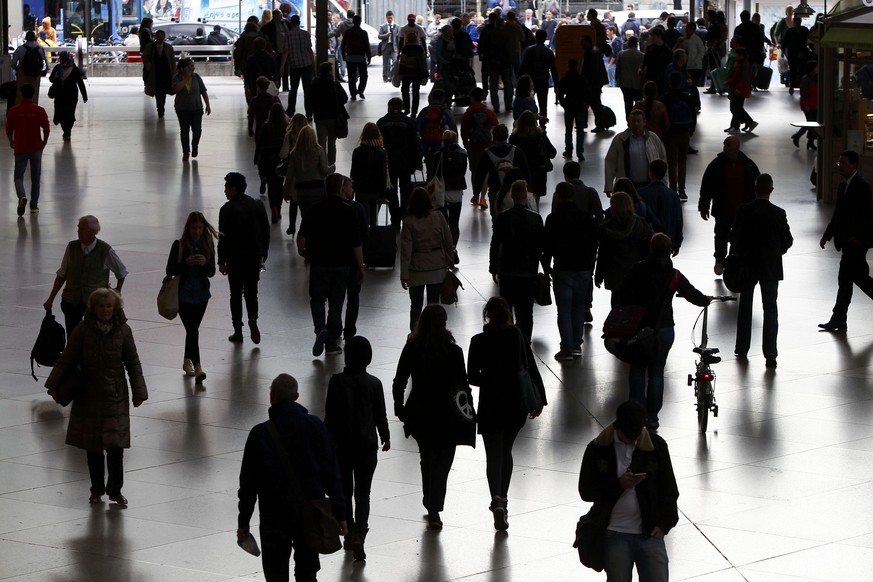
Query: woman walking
{"points": [[538, 151], [425, 252], [452, 161], [307, 169], [369, 171], [436, 365], [297, 123], [493, 362], [271, 136], [328, 100], [190, 97], [192, 258], [67, 77], [103, 347], [739, 89]]}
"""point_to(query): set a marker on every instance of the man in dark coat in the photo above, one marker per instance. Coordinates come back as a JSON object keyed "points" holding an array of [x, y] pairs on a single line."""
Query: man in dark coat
{"points": [[760, 237], [538, 61], [400, 138], [728, 181], [264, 478], [850, 229]]}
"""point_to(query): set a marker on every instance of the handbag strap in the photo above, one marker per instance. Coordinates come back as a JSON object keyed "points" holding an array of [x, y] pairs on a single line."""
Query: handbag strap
{"points": [[522, 352], [671, 286], [296, 487]]}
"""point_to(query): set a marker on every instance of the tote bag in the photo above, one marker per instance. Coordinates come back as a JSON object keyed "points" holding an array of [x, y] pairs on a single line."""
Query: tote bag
{"points": [[168, 298]]}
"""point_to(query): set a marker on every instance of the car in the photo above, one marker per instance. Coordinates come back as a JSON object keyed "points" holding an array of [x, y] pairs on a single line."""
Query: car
{"points": [[182, 33]]}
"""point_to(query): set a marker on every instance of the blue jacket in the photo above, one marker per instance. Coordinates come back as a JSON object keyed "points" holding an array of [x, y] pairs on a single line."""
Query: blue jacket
{"points": [[667, 207]]}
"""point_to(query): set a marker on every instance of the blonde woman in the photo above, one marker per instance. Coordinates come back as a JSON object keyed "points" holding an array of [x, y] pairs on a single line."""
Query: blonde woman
{"points": [[269, 144], [538, 151], [307, 169]]}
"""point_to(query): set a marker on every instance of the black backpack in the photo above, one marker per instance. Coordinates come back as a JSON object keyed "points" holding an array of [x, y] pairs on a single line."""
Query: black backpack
{"points": [[32, 62], [49, 343]]}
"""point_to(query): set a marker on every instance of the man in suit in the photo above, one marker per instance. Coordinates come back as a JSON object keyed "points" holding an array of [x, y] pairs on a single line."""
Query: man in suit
{"points": [[760, 237], [387, 36], [850, 228]]}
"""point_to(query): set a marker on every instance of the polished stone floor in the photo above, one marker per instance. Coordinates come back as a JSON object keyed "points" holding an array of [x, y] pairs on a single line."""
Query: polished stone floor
{"points": [[779, 489]]}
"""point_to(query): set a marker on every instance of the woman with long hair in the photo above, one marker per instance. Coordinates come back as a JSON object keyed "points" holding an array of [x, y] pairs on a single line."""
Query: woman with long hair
{"points": [[190, 96], [369, 171], [307, 169], [436, 364], [102, 347], [426, 251], [492, 364], [270, 139], [657, 117], [640, 208], [297, 123], [538, 150], [192, 258], [623, 241], [68, 78], [524, 98]]}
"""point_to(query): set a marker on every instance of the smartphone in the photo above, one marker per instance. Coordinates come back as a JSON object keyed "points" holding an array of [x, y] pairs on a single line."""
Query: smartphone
{"points": [[638, 474]]}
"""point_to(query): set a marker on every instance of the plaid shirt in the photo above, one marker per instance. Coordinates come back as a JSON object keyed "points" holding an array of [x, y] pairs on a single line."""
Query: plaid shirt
{"points": [[300, 48]]}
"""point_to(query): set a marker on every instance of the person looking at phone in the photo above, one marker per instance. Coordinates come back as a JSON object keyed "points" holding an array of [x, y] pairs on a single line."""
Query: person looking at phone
{"points": [[627, 473]]}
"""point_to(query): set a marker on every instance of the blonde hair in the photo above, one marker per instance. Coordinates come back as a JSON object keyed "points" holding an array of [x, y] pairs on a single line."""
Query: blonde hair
{"points": [[306, 145], [102, 294], [450, 136]]}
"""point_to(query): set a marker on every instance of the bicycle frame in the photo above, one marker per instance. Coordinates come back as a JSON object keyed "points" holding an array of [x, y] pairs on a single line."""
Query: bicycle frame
{"points": [[703, 378]]}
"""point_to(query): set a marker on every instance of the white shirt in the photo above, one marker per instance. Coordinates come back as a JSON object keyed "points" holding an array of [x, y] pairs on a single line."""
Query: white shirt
{"points": [[625, 517], [113, 263]]}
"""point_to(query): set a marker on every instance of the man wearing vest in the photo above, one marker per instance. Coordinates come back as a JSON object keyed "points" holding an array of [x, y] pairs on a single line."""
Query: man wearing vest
{"points": [[85, 267]]}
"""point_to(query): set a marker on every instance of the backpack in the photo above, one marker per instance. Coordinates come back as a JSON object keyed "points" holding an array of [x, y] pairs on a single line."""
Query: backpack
{"points": [[480, 128], [49, 343], [502, 165], [434, 124], [32, 62], [681, 115]]}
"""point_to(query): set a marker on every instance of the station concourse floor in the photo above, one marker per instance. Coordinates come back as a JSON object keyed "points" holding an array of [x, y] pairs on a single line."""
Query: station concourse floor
{"points": [[780, 488]]}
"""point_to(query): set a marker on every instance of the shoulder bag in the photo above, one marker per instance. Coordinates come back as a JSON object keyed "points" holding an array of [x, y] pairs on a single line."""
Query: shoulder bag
{"points": [[528, 396], [449, 289], [591, 539], [70, 386], [341, 126], [320, 527], [436, 188], [168, 296], [542, 290]]}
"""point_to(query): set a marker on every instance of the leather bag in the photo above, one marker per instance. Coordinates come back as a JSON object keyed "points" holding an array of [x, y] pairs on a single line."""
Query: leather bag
{"points": [[168, 298]]}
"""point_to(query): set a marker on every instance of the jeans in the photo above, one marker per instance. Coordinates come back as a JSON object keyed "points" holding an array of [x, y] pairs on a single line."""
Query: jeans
{"points": [[452, 212], [677, 158], [610, 70], [854, 270], [416, 298], [115, 467], [410, 85], [21, 161], [326, 131], [277, 542], [580, 120], [494, 78], [498, 459], [652, 396], [190, 121], [243, 277], [739, 115], [191, 315], [572, 289], [356, 471], [328, 284], [436, 462], [769, 293], [623, 550], [353, 305], [295, 76], [357, 72], [519, 293]]}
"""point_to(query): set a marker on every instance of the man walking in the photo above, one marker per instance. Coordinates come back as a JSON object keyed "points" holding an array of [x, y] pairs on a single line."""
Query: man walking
{"points": [[30, 65], [538, 61], [242, 250], [627, 74], [728, 181], [665, 203], [760, 237], [628, 475], [574, 93], [84, 268], [850, 229], [631, 152], [400, 138], [330, 240], [27, 127], [356, 52], [292, 442], [387, 38], [300, 63]]}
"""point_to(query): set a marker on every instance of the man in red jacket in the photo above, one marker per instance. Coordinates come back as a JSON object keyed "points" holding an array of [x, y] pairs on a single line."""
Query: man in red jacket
{"points": [[23, 125]]}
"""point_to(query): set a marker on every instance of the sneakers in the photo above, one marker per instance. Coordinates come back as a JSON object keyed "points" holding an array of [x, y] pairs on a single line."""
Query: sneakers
{"points": [[434, 521], [718, 268], [254, 331], [333, 351], [564, 355], [22, 204], [34, 211], [318, 346], [199, 374], [483, 203], [188, 367], [237, 336], [498, 508], [751, 127]]}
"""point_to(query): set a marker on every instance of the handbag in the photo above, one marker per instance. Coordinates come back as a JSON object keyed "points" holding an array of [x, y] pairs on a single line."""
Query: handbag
{"points": [[591, 540], [449, 289], [320, 527], [733, 273], [528, 396], [436, 188], [168, 297], [282, 167], [55, 89], [341, 126], [70, 386], [542, 290]]}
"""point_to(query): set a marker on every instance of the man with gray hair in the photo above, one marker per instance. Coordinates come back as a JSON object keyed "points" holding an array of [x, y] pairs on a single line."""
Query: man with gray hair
{"points": [[84, 268], [292, 444]]}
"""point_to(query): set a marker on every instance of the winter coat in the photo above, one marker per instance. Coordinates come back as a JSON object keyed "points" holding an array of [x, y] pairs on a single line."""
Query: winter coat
{"points": [[454, 166], [714, 185], [516, 243], [622, 244], [618, 156], [100, 418], [648, 284], [425, 244], [369, 172]]}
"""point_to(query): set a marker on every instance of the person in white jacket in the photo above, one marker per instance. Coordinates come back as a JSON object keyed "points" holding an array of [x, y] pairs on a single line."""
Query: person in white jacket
{"points": [[630, 153]]}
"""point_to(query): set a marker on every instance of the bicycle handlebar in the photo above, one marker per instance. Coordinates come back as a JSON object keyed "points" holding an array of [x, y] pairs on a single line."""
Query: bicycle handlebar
{"points": [[723, 298]]}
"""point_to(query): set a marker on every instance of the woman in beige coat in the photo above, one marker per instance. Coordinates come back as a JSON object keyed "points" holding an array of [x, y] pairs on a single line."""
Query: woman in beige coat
{"points": [[102, 346], [426, 251]]}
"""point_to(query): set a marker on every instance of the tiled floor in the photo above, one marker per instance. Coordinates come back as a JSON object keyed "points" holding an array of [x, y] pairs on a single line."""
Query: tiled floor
{"points": [[779, 489]]}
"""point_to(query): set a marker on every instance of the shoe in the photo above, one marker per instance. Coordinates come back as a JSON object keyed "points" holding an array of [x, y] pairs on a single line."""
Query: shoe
{"points": [[751, 127], [740, 355], [456, 259], [728, 130], [693, 151], [199, 374], [682, 195], [119, 499], [581, 157], [95, 499], [796, 139], [188, 367], [354, 98], [498, 508], [254, 332], [483, 204], [710, 91], [290, 231], [791, 91], [66, 137], [34, 211], [194, 151], [22, 204], [598, 130], [811, 146], [770, 362], [577, 352], [333, 351], [589, 317], [185, 157], [434, 521], [833, 326], [734, 131], [474, 200], [318, 346], [564, 355], [568, 154], [652, 426], [160, 114], [361, 96], [718, 268], [263, 188], [236, 337]]}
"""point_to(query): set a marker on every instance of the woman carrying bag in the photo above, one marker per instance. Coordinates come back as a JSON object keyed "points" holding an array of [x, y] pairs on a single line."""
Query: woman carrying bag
{"points": [[452, 168], [66, 84]]}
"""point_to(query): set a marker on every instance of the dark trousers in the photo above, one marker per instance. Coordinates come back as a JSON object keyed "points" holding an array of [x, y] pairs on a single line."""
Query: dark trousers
{"points": [[494, 78], [631, 96], [452, 212], [357, 78], [769, 293], [275, 187], [436, 462], [277, 544], [160, 101], [416, 298], [328, 284], [410, 85], [295, 77], [579, 119], [853, 271], [677, 158], [398, 196], [723, 225], [646, 382], [243, 277], [73, 315], [519, 293], [353, 305], [191, 315], [739, 115], [357, 472], [190, 128], [542, 94], [115, 467], [498, 459]]}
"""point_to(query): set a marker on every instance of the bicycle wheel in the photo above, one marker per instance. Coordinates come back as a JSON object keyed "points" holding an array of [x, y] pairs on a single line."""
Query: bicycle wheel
{"points": [[704, 402]]}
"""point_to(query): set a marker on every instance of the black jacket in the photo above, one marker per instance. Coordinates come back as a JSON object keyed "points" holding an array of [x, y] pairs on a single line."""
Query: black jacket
{"points": [[657, 493], [648, 284], [400, 138], [261, 63], [760, 237], [454, 166], [713, 186], [486, 166], [245, 231], [569, 236], [354, 410], [574, 92], [369, 172], [326, 96], [516, 243], [853, 214]]}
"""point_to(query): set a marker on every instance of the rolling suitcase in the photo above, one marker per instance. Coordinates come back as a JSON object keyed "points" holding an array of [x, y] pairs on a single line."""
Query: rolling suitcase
{"points": [[604, 117], [763, 76], [381, 244], [719, 78]]}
